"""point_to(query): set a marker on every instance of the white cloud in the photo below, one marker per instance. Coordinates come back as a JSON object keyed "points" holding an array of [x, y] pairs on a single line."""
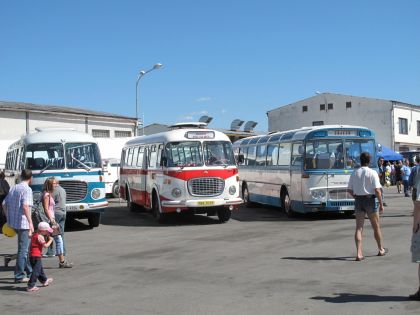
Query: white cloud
{"points": [[203, 99]]}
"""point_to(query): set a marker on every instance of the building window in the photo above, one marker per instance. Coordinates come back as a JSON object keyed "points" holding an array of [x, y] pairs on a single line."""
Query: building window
{"points": [[122, 133], [304, 108], [418, 127], [403, 126], [404, 148], [317, 123], [348, 104], [100, 133], [330, 106], [322, 107]]}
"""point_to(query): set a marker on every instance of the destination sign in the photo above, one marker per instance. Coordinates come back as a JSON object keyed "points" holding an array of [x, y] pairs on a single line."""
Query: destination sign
{"points": [[342, 132]]}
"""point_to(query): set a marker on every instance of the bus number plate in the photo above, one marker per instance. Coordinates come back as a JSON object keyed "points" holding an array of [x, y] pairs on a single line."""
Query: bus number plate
{"points": [[72, 208], [206, 203], [347, 208]]}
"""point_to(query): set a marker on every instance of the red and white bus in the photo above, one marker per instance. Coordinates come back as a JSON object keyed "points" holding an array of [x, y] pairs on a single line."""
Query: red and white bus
{"points": [[187, 169]]}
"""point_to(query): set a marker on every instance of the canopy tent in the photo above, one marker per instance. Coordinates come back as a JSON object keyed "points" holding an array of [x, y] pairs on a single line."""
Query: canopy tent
{"points": [[389, 154]]}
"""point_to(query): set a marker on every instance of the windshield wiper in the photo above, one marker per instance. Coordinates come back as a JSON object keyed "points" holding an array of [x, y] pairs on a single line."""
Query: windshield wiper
{"points": [[81, 163], [47, 166]]}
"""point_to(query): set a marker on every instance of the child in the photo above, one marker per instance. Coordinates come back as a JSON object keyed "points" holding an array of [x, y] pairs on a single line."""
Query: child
{"points": [[35, 253]]}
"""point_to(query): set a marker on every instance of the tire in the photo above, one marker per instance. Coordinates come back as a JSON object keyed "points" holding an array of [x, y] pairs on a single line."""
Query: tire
{"points": [[158, 215], [132, 207], [245, 196], [94, 219], [223, 214], [116, 190], [286, 205]]}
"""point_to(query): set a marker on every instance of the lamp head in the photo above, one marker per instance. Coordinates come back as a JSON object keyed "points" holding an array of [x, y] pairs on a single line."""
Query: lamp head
{"points": [[157, 66]]}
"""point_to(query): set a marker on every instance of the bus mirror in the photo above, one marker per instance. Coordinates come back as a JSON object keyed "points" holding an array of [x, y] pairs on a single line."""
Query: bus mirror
{"points": [[240, 158], [379, 147], [163, 161]]}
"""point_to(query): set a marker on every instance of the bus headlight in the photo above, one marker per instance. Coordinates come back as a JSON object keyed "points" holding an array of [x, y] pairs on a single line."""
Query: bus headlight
{"points": [[232, 190], [176, 192], [96, 193], [318, 194]]}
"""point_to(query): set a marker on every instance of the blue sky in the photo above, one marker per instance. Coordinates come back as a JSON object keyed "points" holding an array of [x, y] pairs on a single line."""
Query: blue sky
{"points": [[227, 59]]}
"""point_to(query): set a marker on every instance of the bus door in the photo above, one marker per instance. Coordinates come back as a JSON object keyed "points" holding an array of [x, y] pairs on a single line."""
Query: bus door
{"points": [[142, 174], [296, 164]]}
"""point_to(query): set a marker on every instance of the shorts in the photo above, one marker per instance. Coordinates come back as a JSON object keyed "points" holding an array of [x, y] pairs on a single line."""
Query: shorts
{"points": [[365, 204], [415, 247]]}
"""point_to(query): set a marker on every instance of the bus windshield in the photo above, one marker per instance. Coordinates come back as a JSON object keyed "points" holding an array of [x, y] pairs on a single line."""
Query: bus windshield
{"points": [[41, 156], [185, 153], [329, 154], [218, 153], [82, 155]]}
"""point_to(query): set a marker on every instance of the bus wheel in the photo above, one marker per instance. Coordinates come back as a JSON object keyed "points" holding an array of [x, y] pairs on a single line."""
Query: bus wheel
{"points": [[286, 205], [223, 214], [131, 205], [116, 190], [159, 216], [94, 218], [245, 196]]}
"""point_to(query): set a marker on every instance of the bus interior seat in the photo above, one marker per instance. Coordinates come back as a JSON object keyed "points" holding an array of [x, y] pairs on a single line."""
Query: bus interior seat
{"points": [[30, 162], [323, 160], [39, 163]]}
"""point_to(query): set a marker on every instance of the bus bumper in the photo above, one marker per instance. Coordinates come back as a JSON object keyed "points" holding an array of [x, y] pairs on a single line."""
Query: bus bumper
{"points": [[201, 203], [76, 207]]}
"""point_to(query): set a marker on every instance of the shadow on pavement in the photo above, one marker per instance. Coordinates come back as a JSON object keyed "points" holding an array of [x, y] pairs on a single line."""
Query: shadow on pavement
{"points": [[356, 298]]}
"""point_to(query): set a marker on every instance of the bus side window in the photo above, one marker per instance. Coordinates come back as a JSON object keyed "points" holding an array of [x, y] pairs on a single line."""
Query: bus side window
{"points": [[159, 155], [250, 160], [284, 154], [140, 158], [297, 153], [272, 154], [153, 156], [261, 155]]}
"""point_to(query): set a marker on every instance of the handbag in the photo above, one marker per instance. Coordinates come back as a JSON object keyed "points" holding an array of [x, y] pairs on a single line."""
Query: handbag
{"points": [[38, 214]]}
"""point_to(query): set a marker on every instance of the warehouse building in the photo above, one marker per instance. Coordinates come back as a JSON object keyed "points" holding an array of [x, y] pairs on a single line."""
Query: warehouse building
{"points": [[396, 124]]}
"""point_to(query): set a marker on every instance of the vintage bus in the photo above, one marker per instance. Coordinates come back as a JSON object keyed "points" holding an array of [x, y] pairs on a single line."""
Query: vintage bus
{"points": [[188, 169], [70, 156], [303, 170]]}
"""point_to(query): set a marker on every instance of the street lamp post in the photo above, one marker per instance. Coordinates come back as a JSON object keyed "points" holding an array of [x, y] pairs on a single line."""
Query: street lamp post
{"points": [[140, 75]]}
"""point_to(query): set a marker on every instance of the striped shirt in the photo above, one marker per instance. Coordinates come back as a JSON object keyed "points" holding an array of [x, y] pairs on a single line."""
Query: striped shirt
{"points": [[19, 195]]}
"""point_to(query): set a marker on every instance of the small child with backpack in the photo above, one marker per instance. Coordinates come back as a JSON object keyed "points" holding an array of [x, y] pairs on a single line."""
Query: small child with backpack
{"points": [[38, 242]]}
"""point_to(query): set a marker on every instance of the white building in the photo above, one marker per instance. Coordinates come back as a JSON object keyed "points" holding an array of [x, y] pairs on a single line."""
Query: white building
{"points": [[396, 124], [17, 119]]}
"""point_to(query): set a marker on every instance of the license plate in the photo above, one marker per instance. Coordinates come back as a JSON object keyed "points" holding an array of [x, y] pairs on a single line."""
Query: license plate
{"points": [[73, 208], [206, 203], [347, 208]]}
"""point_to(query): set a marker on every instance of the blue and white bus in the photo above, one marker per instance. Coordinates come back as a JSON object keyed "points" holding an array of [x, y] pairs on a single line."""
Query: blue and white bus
{"points": [[303, 170], [70, 156]]}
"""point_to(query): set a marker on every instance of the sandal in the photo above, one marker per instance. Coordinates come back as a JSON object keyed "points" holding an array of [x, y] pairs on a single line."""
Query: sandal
{"points": [[384, 252], [360, 258], [415, 296], [47, 282], [33, 289]]}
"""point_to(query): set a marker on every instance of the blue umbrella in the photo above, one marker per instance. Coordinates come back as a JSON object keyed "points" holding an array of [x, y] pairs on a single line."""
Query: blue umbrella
{"points": [[389, 154]]}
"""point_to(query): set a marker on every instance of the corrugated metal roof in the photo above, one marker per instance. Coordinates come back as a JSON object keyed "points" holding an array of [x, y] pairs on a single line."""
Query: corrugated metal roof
{"points": [[56, 109]]}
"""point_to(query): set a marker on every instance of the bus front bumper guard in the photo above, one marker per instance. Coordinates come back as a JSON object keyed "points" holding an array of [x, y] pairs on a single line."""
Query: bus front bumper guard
{"points": [[86, 206], [201, 203]]}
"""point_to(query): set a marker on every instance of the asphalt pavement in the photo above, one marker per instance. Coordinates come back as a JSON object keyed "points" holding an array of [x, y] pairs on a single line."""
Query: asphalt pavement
{"points": [[260, 262]]}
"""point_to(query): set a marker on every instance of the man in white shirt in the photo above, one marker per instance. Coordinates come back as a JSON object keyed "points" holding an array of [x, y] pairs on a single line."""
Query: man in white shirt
{"points": [[363, 186]]}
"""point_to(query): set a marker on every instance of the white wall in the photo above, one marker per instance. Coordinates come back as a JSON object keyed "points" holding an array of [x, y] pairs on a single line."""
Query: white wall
{"points": [[410, 140]]}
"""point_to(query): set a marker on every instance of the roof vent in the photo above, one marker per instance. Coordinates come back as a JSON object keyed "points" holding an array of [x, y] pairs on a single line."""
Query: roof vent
{"points": [[205, 119], [250, 125], [189, 125], [236, 124]]}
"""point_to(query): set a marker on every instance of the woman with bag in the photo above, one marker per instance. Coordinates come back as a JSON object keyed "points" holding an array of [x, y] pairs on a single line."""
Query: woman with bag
{"points": [[414, 182], [48, 205]]}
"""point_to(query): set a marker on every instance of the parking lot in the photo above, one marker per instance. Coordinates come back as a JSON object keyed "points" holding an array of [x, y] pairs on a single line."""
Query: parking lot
{"points": [[260, 262]]}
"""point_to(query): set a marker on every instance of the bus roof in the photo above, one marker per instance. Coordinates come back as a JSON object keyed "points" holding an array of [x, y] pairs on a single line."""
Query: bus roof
{"points": [[176, 135], [57, 135], [296, 134]]}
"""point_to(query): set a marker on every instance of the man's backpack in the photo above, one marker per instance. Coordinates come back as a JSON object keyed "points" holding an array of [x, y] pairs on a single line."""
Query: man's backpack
{"points": [[38, 214]]}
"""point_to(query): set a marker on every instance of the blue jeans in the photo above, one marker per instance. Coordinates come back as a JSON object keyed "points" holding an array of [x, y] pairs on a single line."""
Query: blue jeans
{"points": [[22, 260], [406, 187], [61, 220]]}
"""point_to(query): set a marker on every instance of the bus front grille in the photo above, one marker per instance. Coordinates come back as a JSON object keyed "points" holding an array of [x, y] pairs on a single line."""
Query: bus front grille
{"points": [[75, 190], [206, 186], [339, 194]]}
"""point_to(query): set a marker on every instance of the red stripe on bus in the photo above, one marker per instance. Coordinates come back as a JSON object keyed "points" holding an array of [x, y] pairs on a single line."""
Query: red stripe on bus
{"points": [[185, 174]]}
